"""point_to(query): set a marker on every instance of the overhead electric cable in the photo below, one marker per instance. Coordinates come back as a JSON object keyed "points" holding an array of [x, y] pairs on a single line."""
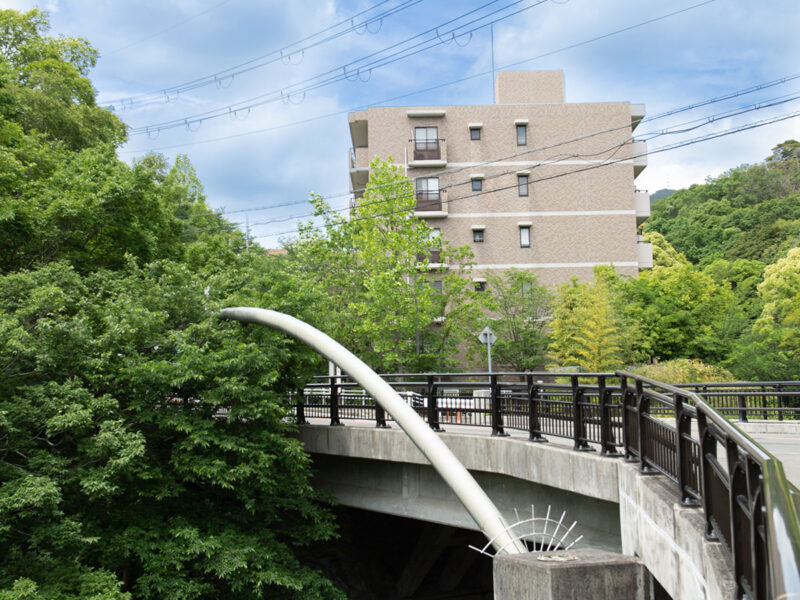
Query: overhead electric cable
{"points": [[667, 148], [416, 92], [165, 30], [646, 136], [340, 72], [281, 54], [556, 159]]}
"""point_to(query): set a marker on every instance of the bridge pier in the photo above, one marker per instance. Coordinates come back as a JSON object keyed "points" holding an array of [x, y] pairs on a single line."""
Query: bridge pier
{"points": [[570, 575]]}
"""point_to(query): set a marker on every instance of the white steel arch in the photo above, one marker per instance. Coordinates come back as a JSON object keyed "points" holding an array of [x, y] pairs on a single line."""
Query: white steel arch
{"points": [[471, 495]]}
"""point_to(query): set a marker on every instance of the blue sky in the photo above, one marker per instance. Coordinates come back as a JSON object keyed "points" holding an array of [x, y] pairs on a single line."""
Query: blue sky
{"points": [[260, 164]]}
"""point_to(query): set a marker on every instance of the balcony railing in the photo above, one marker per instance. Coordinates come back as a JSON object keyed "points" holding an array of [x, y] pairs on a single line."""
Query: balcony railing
{"points": [[747, 501], [427, 149], [429, 201]]}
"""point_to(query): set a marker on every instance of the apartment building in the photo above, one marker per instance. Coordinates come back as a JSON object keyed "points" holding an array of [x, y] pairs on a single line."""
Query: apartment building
{"points": [[529, 182]]}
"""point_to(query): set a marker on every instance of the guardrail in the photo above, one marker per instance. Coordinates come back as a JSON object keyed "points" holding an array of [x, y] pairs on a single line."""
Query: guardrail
{"points": [[749, 505], [751, 399]]}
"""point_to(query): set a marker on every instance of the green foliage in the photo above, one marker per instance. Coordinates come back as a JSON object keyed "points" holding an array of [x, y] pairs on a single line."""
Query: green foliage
{"points": [[373, 277], [586, 328], [523, 307], [684, 370], [144, 450], [751, 212]]}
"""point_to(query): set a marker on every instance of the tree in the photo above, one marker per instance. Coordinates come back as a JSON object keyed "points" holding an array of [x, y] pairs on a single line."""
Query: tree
{"points": [[585, 327], [523, 307], [772, 350], [388, 289], [144, 445]]}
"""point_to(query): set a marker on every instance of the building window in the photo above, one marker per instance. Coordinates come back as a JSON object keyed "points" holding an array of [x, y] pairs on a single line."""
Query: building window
{"points": [[527, 289], [477, 235], [480, 286], [437, 285], [522, 135], [524, 236], [428, 197], [477, 185], [522, 184], [426, 143], [475, 134]]}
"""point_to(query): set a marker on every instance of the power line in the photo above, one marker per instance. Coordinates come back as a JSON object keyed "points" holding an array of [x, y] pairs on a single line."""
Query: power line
{"points": [[416, 92], [556, 159], [642, 136], [165, 30], [341, 73], [669, 147], [280, 54]]}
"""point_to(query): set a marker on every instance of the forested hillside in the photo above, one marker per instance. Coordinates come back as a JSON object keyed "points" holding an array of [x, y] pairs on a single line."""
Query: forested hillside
{"points": [[737, 237]]}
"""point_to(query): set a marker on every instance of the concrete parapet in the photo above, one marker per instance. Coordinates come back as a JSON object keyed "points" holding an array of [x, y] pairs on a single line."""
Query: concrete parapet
{"points": [[669, 538], [570, 575]]}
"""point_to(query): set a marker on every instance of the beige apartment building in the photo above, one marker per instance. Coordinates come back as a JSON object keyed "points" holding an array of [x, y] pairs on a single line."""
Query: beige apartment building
{"points": [[529, 182]]}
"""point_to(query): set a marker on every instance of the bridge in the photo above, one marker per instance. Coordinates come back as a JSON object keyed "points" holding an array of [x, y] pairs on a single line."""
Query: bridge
{"points": [[665, 487], [647, 469]]}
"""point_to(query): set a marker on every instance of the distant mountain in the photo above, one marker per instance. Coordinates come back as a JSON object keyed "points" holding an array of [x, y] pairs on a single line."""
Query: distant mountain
{"points": [[663, 193]]}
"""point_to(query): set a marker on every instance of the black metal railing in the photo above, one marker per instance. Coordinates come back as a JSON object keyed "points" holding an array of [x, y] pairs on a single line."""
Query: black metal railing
{"points": [[427, 201], [428, 149], [749, 505], [751, 400]]}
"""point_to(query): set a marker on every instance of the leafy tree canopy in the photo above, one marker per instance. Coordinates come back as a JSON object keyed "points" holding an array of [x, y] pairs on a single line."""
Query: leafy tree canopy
{"points": [[382, 281], [144, 450]]}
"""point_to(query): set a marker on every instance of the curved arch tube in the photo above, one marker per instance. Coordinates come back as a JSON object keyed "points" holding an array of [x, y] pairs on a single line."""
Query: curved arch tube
{"points": [[471, 495]]}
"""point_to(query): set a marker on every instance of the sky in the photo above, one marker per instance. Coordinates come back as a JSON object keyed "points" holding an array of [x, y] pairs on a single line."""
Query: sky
{"points": [[256, 93]]}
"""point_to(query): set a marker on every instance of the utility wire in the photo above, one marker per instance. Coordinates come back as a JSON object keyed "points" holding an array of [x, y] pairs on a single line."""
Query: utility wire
{"points": [[340, 73], [414, 93], [281, 54], [640, 136], [666, 148], [557, 159], [170, 28]]}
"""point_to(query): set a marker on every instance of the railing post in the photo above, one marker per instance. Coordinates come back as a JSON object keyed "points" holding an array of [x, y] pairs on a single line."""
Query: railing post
{"points": [[765, 414], [742, 408], [707, 448], [606, 443], [779, 399], [380, 417], [578, 433], [335, 401], [683, 430], [534, 429], [433, 411], [642, 409], [626, 418], [497, 416], [300, 407]]}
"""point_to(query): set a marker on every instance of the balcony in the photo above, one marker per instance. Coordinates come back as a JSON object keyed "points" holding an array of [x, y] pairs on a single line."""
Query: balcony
{"points": [[427, 153], [642, 206], [433, 257], [645, 253], [359, 168], [429, 202], [639, 157]]}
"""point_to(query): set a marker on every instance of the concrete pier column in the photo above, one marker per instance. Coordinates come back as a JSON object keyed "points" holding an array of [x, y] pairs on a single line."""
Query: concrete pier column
{"points": [[570, 575]]}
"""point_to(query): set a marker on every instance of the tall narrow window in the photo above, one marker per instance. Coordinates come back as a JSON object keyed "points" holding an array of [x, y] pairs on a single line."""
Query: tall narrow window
{"points": [[522, 184], [525, 236], [428, 194], [426, 143], [522, 135], [474, 133]]}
